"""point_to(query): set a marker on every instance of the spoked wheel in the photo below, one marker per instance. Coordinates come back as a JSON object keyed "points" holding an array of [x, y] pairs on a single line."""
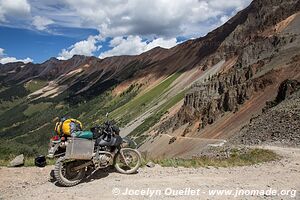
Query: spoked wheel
{"points": [[65, 174], [127, 161]]}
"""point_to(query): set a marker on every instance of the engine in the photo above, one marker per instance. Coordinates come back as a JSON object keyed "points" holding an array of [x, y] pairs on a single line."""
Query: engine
{"points": [[103, 160]]}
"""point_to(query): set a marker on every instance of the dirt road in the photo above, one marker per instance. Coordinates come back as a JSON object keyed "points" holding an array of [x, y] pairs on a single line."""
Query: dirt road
{"points": [[33, 183]]}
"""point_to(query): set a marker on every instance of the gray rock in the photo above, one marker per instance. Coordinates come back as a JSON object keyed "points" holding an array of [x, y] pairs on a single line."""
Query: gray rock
{"points": [[17, 161], [150, 164]]}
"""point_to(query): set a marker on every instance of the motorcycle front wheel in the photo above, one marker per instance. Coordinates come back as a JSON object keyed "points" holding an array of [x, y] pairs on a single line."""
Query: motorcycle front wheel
{"points": [[127, 161], [64, 173]]}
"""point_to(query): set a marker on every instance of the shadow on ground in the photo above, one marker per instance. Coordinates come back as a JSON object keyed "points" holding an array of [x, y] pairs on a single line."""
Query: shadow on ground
{"points": [[90, 175]]}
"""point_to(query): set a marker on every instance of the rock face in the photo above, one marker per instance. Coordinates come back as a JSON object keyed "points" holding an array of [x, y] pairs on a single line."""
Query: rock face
{"points": [[206, 102], [17, 161], [255, 44], [286, 88], [222, 93], [278, 124]]}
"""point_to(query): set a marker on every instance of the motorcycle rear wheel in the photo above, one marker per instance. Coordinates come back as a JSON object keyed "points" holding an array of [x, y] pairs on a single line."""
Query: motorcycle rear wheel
{"points": [[127, 161], [64, 174]]}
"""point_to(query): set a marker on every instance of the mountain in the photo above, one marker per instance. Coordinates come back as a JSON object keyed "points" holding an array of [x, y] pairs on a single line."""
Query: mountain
{"points": [[172, 101], [249, 65]]}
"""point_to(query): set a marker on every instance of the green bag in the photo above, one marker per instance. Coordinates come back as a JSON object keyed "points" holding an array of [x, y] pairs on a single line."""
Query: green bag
{"points": [[83, 134]]}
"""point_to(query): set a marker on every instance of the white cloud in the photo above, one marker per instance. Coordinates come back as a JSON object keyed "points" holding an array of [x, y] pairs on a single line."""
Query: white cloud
{"points": [[127, 21], [5, 59], [14, 9], [155, 18], [224, 4], [13, 59], [159, 18], [41, 23], [84, 47], [164, 43], [224, 19], [2, 18], [134, 45]]}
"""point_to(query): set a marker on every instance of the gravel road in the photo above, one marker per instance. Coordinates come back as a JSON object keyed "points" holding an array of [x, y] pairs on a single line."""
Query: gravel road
{"points": [[186, 183]]}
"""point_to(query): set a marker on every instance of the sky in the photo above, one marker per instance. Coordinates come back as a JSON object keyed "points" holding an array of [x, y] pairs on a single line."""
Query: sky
{"points": [[35, 30]]}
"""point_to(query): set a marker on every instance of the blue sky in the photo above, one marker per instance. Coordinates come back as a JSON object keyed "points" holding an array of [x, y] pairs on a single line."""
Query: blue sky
{"points": [[34, 30], [22, 43]]}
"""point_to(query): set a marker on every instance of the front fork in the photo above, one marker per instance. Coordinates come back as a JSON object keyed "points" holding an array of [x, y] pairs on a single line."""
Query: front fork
{"points": [[119, 150]]}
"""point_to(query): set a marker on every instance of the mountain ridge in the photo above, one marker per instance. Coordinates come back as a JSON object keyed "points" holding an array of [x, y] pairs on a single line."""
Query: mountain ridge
{"points": [[194, 89]]}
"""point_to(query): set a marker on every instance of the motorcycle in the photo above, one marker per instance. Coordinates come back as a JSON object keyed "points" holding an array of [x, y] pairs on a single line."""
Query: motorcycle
{"points": [[106, 148]]}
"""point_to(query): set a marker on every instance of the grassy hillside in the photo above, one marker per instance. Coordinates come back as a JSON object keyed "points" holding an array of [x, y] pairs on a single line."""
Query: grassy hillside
{"points": [[137, 133], [27, 125], [136, 106]]}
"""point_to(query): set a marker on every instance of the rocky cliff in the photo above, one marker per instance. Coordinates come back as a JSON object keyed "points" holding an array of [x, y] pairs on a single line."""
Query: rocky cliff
{"points": [[206, 102], [279, 123], [257, 52], [254, 44]]}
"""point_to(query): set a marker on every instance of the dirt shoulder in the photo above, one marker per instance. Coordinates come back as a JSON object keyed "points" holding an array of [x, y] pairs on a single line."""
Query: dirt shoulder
{"points": [[34, 183]]}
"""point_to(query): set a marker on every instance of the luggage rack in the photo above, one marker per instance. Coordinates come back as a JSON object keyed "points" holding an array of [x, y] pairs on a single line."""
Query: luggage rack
{"points": [[80, 149]]}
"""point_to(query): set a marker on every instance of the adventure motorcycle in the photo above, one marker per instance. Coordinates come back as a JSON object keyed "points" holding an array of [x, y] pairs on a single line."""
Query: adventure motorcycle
{"points": [[105, 148]]}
